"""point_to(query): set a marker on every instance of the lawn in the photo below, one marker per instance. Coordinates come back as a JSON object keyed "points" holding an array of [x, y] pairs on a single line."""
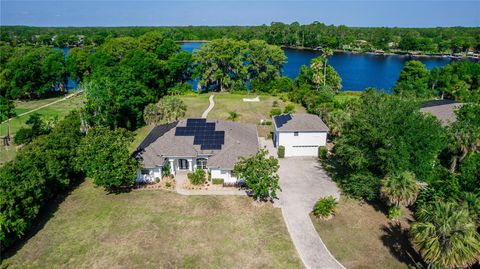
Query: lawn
{"points": [[249, 112], [361, 236], [57, 110], [158, 229]]}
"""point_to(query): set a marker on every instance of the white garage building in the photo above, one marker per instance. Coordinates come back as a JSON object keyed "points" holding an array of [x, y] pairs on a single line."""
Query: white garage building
{"points": [[300, 134]]}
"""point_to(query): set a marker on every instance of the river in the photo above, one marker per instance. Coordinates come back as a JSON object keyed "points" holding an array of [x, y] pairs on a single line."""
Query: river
{"points": [[358, 71]]}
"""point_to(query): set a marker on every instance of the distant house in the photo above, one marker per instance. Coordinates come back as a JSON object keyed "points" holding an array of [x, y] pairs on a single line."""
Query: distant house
{"points": [[196, 143], [300, 134], [443, 110]]}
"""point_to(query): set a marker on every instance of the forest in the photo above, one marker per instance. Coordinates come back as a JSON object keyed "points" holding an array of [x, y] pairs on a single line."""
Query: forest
{"points": [[445, 41]]}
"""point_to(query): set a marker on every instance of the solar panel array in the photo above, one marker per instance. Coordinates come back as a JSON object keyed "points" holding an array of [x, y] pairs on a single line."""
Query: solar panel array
{"points": [[203, 133]]}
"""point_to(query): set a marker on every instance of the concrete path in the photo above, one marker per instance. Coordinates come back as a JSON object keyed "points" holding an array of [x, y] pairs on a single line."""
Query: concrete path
{"points": [[210, 107], [303, 182]]}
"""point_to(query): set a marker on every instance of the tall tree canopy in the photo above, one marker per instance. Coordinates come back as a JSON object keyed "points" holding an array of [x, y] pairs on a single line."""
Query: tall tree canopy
{"points": [[386, 135], [413, 81]]}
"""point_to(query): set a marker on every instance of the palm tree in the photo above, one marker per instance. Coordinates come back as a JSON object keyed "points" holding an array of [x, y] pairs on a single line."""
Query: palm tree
{"points": [[401, 189], [325, 53], [446, 236], [233, 115]]}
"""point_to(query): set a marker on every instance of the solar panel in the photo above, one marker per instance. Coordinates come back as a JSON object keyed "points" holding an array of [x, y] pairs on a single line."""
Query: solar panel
{"points": [[203, 133]]}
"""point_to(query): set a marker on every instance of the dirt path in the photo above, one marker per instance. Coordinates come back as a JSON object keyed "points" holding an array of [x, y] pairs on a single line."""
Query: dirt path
{"points": [[210, 107]]}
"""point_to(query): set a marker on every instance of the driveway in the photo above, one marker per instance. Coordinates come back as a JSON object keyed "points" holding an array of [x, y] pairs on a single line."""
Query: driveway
{"points": [[303, 182]]}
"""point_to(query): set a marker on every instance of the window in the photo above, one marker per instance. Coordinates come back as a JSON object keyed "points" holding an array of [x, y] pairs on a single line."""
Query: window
{"points": [[202, 163], [295, 133], [307, 146], [145, 172]]}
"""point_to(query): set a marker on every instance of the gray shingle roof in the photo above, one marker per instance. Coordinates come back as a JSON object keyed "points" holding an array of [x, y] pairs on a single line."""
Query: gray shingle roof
{"points": [[444, 110], [240, 140], [299, 123]]}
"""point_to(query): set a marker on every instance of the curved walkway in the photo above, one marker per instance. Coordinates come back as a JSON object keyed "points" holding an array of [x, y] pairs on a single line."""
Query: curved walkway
{"points": [[303, 182], [210, 107]]}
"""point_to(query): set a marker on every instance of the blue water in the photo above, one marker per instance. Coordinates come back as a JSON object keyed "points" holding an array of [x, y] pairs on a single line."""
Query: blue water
{"points": [[358, 71]]}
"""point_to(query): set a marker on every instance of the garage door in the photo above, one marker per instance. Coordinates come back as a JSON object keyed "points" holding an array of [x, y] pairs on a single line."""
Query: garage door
{"points": [[292, 151]]}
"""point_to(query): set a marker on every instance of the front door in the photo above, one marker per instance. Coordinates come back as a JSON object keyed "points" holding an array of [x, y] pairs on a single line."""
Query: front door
{"points": [[183, 164]]}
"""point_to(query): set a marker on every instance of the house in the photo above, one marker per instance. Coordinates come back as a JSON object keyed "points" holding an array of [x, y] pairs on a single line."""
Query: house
{"points": [[300, 134], [213, 145], [443, 110]]}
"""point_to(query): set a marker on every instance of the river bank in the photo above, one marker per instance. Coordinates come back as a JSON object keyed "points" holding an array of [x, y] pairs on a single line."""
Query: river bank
{"points": [[389, 53]]}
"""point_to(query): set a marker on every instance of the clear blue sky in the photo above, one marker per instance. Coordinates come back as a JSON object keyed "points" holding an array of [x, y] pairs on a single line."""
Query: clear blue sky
{"points": [[242, 12]]}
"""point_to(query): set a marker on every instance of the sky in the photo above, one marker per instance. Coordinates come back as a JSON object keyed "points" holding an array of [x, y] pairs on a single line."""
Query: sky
{"points": [[390, 13]]}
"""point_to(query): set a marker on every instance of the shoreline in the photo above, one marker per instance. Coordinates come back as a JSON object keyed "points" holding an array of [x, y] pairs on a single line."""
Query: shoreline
{"points": [[405, 54]]}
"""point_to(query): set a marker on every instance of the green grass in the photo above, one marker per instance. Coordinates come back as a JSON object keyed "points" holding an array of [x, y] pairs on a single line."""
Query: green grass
{"points": [[56, 110], [158, 229], [346, 96], [361, 236]]}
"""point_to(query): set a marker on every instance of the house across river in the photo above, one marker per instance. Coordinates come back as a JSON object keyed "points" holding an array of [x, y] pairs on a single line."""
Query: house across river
{"points": [[213, 145]]}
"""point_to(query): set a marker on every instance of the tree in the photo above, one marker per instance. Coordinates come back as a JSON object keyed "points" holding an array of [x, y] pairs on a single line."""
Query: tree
{"points": [[36, 128], [400, 189], [104, 157], [260, 175], [465, 132], [77, 63], [445, 235], [325, 54], [386, 135], [413, 81], [264, 61], [173, 108], [220, 63]]}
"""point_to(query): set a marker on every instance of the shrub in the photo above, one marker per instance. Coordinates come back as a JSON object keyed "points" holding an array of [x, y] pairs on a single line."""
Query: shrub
{"points": [[325, 207], [394, 213], [281, 152], [217, 180], [266, 122], [275, 111], [290, 108], [23, 136], [275, 103], [233, 115], [197, 177], [166, 170], [322, 152]]}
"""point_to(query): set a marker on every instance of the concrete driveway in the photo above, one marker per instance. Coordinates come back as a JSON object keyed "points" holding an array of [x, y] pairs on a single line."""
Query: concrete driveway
{"points": [[303, 182]]}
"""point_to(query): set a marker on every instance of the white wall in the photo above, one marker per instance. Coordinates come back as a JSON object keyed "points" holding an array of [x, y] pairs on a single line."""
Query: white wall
{"points": [[153, 173], [305, 144], [225, 174]]}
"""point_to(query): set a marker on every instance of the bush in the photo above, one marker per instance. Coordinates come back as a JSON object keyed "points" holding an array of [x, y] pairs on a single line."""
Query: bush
{"points": [[325, 207], [394, 213], [166, 170], [197, 177], [266, 122], [322, 152], [281, 152], [290, 108], [275, 103], [23, 136], [217, 180], [275, 111]]}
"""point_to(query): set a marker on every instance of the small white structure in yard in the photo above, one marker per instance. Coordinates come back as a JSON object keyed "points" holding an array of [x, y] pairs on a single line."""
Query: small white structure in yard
{"points": [[256, 99], [300, 134], [196, 144]]}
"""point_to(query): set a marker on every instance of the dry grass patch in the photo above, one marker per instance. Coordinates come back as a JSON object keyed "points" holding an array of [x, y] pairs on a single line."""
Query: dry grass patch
{"points": [[158, 229], [361, 236]]}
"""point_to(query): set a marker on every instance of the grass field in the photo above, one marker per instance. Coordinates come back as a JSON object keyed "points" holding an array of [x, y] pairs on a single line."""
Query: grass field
{"points": [[158, 229], [57, 110], [361, 236]]}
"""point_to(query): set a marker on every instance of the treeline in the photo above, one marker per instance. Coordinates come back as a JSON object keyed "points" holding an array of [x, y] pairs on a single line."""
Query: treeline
{"points": [[427, 40], [456, 81]]}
